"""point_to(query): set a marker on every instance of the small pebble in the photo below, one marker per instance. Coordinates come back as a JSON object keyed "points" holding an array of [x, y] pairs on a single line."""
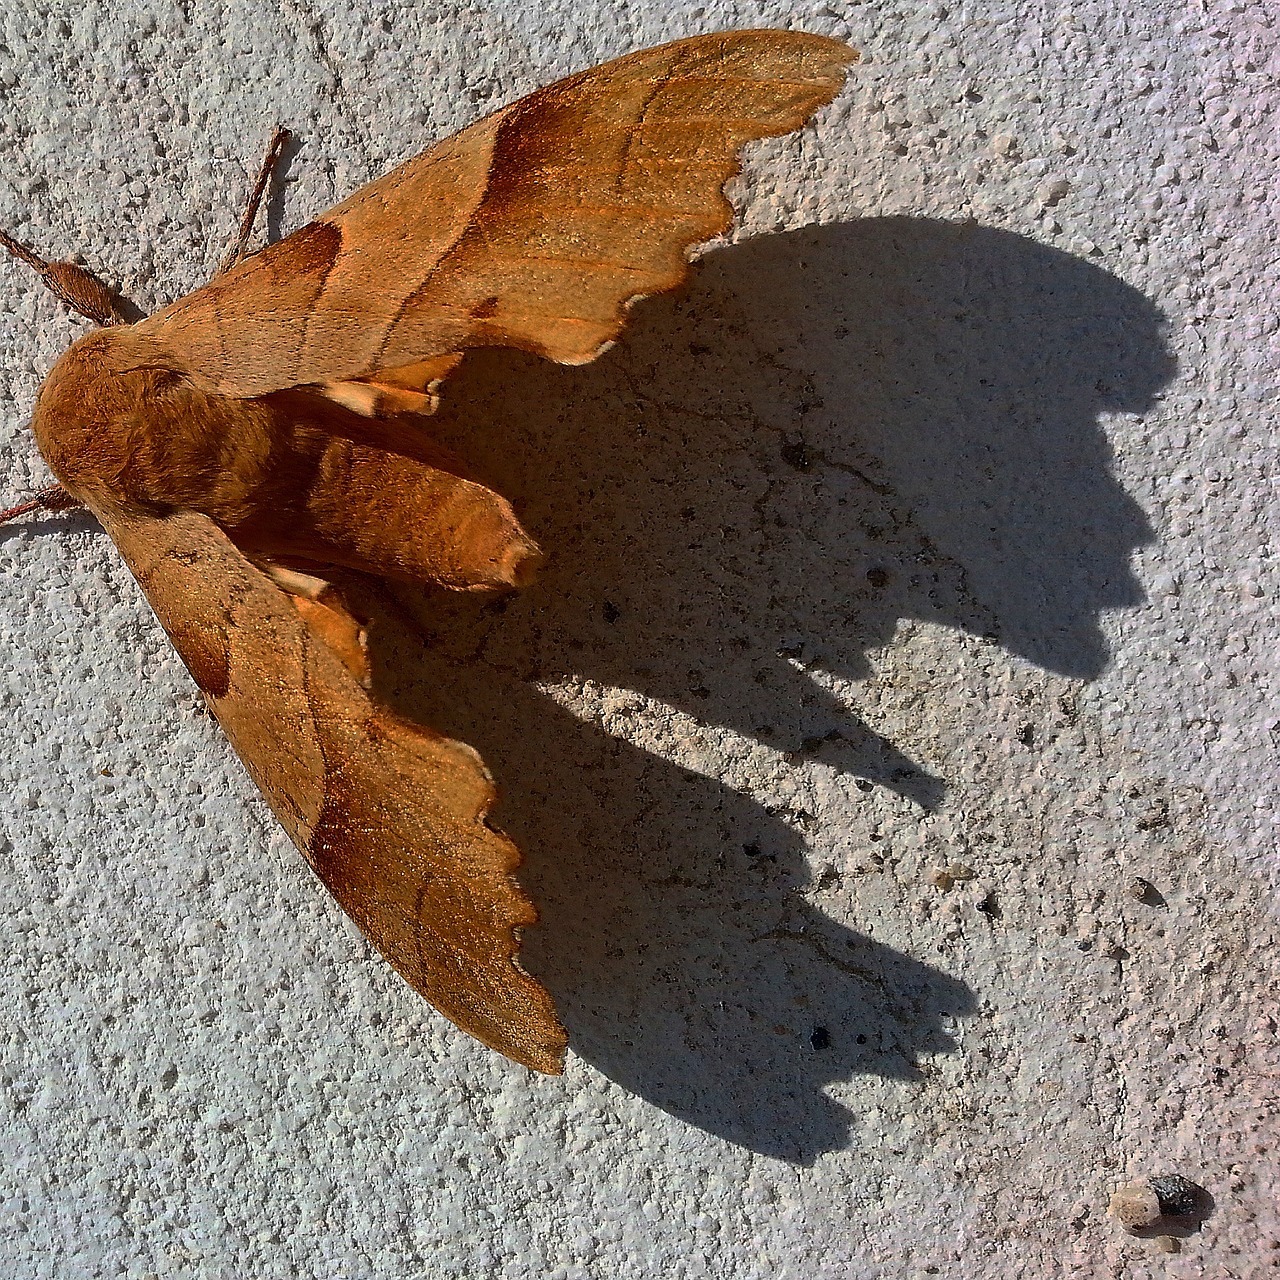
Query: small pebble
{"points": [[1177, 1195], [1050, 192], [1135, 1205]]}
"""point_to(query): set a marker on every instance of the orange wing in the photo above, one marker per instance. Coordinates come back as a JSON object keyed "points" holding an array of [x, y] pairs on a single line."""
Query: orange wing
{"points": [[389, 815], [534, 228]]}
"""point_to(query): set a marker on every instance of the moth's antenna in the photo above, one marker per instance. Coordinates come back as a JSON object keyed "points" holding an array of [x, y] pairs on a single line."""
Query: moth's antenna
{"points": [[81, 290], [54, 498], [275, 149]]}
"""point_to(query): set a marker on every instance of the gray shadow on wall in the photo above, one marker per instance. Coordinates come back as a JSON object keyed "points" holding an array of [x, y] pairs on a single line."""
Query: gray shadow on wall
{"points": [[826, 433]]}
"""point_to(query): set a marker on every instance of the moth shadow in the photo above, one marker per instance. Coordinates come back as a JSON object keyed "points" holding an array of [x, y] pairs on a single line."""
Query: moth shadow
{"points": [[76, 520], [277, 188], [827, 435], [675, 935]]}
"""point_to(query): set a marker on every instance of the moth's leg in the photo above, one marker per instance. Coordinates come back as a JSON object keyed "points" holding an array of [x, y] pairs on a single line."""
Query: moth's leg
{"points": [[79, 289], [275, 149], [54, 498]]}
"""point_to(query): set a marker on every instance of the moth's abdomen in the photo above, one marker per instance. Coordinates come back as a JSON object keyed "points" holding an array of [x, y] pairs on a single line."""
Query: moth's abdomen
{"points": [[352, 503]]}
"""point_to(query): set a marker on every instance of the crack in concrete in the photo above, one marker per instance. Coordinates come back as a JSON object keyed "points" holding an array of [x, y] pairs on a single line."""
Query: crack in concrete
{"points": [[313, 23], [853, 970]]}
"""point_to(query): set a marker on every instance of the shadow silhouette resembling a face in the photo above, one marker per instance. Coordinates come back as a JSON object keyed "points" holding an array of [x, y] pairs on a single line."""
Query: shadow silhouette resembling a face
{"points": [[827, 432], [969, 367]]}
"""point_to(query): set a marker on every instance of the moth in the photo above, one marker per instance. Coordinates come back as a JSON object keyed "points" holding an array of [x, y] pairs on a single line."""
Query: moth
{"points": [[269, 431]]}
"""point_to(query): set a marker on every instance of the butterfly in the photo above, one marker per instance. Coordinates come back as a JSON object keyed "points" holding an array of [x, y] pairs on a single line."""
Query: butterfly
{"points": [[266, 433]]}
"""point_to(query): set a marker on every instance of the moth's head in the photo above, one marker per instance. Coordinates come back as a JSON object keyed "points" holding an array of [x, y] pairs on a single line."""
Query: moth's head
{"points": [[89, 394]]}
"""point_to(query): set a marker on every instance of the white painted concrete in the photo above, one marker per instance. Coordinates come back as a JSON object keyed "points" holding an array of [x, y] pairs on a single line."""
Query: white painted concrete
{"points": [[929, 524]]}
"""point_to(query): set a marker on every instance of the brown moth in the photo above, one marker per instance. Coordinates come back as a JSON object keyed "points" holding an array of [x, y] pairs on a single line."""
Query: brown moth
{"points": [[247, 442]]}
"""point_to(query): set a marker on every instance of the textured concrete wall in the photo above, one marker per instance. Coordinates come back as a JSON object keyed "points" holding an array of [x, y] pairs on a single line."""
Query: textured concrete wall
{"points": [[927, 525]]}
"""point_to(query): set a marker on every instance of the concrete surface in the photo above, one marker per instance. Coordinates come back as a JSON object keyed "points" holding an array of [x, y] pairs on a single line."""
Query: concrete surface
{"points": [[928, 525]]}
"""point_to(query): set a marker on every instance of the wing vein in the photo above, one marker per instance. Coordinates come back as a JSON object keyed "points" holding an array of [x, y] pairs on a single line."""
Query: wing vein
{"points": [[624, 156]]}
